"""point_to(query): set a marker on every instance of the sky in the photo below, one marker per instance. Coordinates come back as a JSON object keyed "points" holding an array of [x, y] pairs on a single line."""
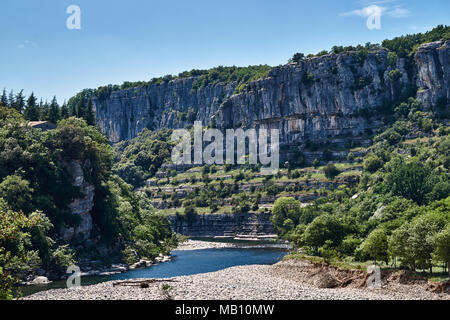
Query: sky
{"points": [[136, 40]]}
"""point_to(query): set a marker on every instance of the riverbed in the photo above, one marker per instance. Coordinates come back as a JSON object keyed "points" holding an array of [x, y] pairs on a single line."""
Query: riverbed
{"points": [[191, 258]]}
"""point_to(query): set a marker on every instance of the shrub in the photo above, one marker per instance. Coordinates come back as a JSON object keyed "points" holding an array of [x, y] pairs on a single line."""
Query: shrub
{"points": [[372, 163], [331, 171]]}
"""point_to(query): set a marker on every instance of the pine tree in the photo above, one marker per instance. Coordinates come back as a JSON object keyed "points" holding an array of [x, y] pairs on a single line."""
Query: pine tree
{"points": [[90, 115], [81, 108], [31, 111], [19, 104], [4, 99], [64, 111], [54, 115], [73, 110], [11, 99], [44, 110]]}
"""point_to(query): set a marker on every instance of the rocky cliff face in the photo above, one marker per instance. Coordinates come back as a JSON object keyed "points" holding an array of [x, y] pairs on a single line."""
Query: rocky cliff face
{"points": [[321, 97], [228, 225], [433, 79], [81, 207]]}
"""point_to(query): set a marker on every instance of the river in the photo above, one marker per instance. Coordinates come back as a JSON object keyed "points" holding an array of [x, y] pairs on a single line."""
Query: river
{"points": [[189, 262]]}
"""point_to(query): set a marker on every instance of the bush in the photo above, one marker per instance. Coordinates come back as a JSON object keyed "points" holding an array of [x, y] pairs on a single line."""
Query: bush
{"points": [[331, 171], [372, 163]]}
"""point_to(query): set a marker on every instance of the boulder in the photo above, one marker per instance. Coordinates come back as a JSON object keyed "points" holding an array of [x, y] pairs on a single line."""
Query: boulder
{"points": [[40, 280]]}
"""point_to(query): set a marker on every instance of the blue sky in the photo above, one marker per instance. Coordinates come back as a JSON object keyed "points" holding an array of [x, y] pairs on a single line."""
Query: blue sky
{"points": [[140, 39]]}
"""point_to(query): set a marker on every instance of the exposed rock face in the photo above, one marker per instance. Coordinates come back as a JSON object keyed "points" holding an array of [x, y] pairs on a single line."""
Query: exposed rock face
{"points": [[318, 98], [229, 225], [433, 80], [81, 207]]}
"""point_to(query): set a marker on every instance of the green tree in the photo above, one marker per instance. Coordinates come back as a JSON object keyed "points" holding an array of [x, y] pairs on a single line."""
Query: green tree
{"points": [[81, 108], [372, 163], [323, 228], [331, 171], [17, 193], [64, 111], [54, 114], [442, 246], [31, 110], [12, 100], [297, 58], [4, 99], [376, 246], [284, 209], [422, 231], [90, 114], [412, 180], [19, 101], [13, 227]]}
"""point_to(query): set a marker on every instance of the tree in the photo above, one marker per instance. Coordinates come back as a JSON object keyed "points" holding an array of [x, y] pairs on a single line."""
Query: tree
{"points": [[73, 110], [81, 107], [13, 227], [422, 231], [412, 180], [372, 163], [54, 114], [331, 171], [31, 111], [414, 243], [190, 213], [4, 99], [19, 103], [284, 209], [323, 228], [64, 111], [442, 246], [90, 115], [399, 246], [297, 58], [11, 100], [16, 192], [376, 246]]}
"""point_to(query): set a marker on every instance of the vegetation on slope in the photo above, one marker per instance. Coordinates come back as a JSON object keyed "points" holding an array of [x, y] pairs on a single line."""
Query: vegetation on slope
{"points": [[36, 187], [400, 211]]}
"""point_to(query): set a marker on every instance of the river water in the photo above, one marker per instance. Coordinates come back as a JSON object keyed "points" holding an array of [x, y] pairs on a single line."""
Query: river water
{"points": [[189, 262]]}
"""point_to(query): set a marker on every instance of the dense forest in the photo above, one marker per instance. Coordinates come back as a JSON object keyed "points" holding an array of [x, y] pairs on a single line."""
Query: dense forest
{"points": [[400, 211], [36, 188]]}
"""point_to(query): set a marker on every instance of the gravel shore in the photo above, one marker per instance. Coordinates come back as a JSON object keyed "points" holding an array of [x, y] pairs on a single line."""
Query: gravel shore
{"points": [[201, 245], [257, 282]]}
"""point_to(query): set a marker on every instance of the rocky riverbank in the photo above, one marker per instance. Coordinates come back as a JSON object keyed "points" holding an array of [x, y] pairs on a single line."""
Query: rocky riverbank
{"points": [[201, 245], [287, 280], [96, 268]]}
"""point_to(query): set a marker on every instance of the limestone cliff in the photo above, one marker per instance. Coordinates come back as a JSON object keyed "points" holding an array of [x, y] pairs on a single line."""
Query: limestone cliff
{"points": [[320, 97], [228, 225], [80, 207]]}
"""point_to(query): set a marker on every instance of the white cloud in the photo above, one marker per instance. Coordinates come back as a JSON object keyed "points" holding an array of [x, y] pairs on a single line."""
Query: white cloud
{"points": [[27, 44], [372, 7], [398, 12], [364, 12]]}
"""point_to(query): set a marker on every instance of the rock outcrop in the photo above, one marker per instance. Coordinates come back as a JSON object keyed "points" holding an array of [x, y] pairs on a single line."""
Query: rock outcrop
{"points": [[433, 79], [224, 225], [321, 97], [81, 207]]}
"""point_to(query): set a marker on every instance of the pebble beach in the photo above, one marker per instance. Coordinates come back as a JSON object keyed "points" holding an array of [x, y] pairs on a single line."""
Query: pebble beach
{"points": [[286, 280]]}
